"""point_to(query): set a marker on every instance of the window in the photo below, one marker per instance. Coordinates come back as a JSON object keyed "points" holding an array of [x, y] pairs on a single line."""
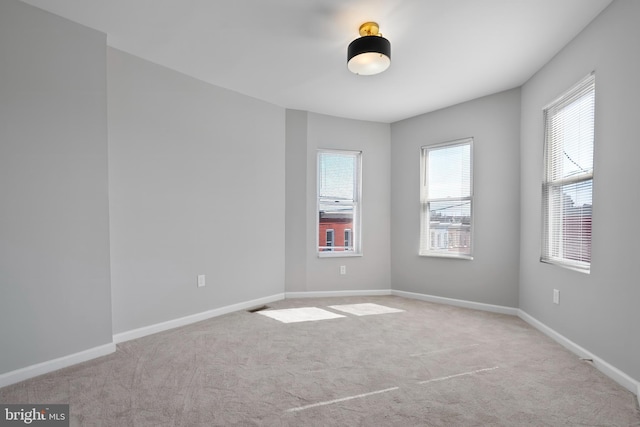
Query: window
{"points": [[446, 199], [339, 203], [330, 234], [568, 177], [348, 245]]}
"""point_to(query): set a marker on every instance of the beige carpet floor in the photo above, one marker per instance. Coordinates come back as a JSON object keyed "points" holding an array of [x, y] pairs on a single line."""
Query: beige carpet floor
{"points": [[429, 365]]}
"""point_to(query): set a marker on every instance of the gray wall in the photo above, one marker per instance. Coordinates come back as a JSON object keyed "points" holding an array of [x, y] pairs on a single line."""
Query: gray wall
{"points": [[196, 185], [54, 237], [372, 270], [598, 311], [296, 246], [492, 276]]}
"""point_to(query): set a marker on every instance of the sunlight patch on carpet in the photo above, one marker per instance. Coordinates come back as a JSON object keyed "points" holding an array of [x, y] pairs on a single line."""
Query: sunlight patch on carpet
{"points": [[302, 314], [365, 309]]}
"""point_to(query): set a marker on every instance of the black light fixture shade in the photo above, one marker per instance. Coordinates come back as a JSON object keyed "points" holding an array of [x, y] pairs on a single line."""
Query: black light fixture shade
{"points": [[369, 54]]}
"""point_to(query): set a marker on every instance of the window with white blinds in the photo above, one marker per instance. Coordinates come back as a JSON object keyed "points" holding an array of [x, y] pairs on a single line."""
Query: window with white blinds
{"points": [[446, 194], [338, 201], [568, 177]]}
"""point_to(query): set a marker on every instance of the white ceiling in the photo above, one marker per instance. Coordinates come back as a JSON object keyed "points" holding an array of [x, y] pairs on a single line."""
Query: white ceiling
{"points": [[292, 53]]}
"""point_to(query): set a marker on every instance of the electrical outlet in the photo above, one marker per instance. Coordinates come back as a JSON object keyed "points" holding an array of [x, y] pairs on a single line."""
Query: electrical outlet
{"points": [[556, 296], [343, 269], [201, 281]]}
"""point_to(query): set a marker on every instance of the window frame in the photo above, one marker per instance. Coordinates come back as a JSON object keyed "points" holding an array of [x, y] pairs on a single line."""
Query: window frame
{"points": [[356, 226], [426, 245], [583, 87]]}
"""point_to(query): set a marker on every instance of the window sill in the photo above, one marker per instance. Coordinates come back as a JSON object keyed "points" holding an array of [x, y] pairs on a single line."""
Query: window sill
{"points": [[338, 254], [579, 267], [445, 255]]}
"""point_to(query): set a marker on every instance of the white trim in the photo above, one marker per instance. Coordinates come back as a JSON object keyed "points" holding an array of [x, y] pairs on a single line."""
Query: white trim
{"points": [[55, 364], [338, 254], [435, 254], [606, 368], [426, 199], [28, 372], [320, 294], [356, 202], [193, 318], [458, 302]]}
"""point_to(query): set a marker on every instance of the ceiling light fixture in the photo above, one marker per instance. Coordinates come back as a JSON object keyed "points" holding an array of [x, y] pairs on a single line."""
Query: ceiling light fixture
{"points": [[369, 54]]}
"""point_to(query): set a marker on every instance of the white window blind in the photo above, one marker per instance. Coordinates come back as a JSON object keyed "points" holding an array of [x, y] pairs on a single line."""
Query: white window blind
{"points": [[338, 203], [446, 199], [567, 186]]}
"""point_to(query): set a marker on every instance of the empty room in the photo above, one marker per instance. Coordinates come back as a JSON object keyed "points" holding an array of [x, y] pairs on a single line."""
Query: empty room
{"points": [[319, 213]]}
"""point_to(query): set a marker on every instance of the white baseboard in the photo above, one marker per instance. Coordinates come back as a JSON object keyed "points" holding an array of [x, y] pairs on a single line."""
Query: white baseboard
{"points": [[55, 364], [62, 362], [193, 318], [320, 294], [458, 302], [606, 368]]}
